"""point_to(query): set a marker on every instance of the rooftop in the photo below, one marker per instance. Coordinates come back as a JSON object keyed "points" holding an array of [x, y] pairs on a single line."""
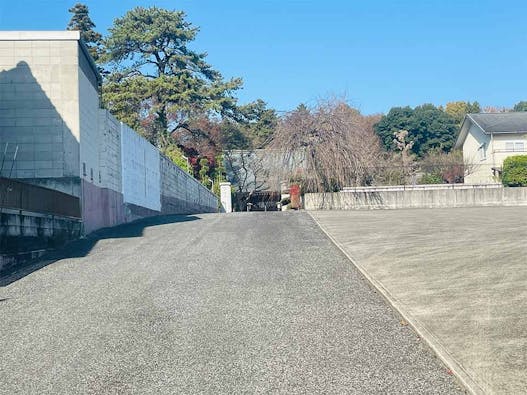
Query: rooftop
{"points": [[507, 122], [51, 35]]}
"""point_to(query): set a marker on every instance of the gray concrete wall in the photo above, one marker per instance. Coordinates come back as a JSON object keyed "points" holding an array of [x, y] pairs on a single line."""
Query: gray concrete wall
{"points": [[183, 194], [24, 235], [89, 123], [49, 108], [419, 198], [39, 108]]}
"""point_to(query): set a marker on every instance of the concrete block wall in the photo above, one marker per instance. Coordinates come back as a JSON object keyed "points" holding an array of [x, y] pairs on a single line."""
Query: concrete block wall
{"points": [[39, 105], [49, 108], [183, 194]]}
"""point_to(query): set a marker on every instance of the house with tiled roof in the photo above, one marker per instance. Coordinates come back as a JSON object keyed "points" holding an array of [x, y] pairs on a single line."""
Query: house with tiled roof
{"points": [[487, 139]]}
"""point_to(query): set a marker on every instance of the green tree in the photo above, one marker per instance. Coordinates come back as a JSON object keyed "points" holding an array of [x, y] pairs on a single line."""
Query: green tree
{"points": [[204, 172], [252, 126], [458, 109], [258, 123], [218, 174], [82, 22], [521, 106], [432, 128], [157, 83], [515, 171], [176, 155], [234, 136], [428, 127], [398, 118]]}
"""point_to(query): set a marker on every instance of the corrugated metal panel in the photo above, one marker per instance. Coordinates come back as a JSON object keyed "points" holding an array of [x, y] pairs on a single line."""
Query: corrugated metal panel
{"points": [[21, 196]]}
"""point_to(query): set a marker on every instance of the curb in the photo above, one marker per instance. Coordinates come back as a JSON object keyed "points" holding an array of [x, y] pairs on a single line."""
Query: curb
{"points": [[433, 343]]}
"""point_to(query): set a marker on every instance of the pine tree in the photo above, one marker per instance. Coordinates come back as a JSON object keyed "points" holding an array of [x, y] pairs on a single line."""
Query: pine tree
{"points": [[82, 22], [158, 84]]}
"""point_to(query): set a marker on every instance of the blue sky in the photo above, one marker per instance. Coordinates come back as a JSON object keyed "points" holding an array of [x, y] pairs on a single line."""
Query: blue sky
{"points": [[378, 54]]}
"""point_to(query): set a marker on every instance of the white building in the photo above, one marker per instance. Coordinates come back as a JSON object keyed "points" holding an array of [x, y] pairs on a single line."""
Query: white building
{"points": [[487, 139]]}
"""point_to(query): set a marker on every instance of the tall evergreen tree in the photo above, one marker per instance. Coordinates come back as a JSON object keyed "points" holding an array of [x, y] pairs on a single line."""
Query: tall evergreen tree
{"points": [[428, 128], [158, 84], [253, 127], [82, 22]]}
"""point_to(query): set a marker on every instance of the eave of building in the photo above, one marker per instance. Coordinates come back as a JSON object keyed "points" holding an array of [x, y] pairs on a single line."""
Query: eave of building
{"points": [[463, 133]]}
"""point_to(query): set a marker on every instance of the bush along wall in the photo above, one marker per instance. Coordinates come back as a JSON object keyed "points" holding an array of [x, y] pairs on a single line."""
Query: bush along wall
{"points": [[515, 171]]}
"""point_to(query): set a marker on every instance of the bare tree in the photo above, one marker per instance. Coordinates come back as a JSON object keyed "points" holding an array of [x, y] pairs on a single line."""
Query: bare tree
{"points": [[327, 147], [404, 146], [495, 109], [448, 167], [248, 173]]}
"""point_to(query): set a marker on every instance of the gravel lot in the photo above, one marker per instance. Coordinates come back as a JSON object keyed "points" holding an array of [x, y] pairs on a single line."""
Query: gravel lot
{"points": [[241, 303]]}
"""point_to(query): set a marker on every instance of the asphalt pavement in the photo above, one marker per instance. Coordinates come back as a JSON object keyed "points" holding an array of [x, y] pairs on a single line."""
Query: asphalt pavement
{"points": [[217, 304]]}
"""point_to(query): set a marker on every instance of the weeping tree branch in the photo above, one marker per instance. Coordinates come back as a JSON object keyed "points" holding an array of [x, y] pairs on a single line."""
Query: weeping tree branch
{"points": [[327, 147]]}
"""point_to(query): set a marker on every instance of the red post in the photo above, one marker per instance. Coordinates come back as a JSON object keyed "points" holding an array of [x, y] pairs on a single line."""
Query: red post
{"points": [[294, 191]]}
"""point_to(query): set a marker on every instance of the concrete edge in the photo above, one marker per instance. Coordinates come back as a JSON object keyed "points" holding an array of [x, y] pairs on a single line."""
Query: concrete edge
{"points": [[431, 341]]}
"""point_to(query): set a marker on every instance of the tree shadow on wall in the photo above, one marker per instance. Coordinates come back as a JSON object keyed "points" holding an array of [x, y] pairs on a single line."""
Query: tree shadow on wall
{"points": [[81, 248]]}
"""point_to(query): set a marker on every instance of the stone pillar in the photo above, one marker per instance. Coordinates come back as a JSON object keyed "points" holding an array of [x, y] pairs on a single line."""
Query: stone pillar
{"points": [[226, 198]]}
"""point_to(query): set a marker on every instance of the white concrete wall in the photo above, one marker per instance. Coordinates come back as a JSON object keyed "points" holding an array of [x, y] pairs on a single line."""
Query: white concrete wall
{"points": [[110, 151], [141, 182], [226, 196]]}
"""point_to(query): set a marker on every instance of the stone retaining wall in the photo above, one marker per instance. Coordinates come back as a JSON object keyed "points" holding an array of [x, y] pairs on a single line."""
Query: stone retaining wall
{"points": [[25, 235]]}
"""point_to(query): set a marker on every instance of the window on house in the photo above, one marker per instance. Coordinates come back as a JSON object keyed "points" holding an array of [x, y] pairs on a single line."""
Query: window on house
{"points": [[91, 174], [482, 154], [514, 146], [84, 169], [100, 178]]}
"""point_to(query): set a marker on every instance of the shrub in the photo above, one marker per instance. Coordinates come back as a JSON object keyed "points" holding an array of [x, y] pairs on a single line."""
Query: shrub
{"points": [[515, 171], [431, 178]]}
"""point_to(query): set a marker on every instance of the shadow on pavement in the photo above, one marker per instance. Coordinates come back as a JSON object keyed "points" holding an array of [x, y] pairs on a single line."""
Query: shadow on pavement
{"points": [[82, 247]]}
